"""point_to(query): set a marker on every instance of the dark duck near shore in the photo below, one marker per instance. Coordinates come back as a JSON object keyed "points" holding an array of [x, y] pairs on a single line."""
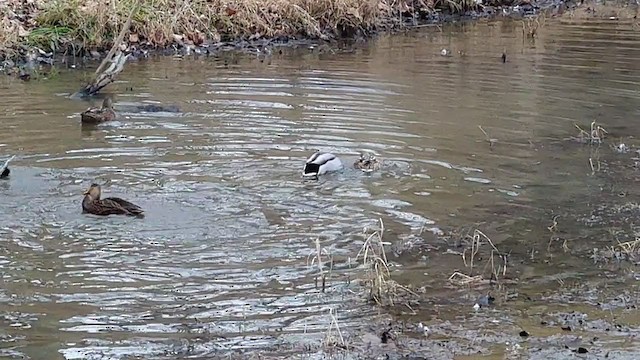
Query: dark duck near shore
{"points": [[92, 204], [98, 115], [4, 169]]}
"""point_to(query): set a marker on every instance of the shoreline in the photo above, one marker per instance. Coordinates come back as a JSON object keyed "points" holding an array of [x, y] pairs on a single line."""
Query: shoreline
{"points": [[28, 41]]}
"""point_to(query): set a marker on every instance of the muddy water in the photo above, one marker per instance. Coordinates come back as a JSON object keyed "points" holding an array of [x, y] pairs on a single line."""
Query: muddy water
{"points": [[221, 262]]}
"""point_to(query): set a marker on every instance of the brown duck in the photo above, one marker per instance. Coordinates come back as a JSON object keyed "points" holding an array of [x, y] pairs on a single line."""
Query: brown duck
{"points": [[98, 115], [367, 162], [92, 204]]}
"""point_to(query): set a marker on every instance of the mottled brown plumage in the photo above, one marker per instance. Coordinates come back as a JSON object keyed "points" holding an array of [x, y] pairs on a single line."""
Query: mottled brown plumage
{"points": [[92, 204], [98, 115], [367, 162]]}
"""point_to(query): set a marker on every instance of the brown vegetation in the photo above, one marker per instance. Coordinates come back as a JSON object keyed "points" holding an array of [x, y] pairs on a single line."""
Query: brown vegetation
{"points": [[63, 25]]}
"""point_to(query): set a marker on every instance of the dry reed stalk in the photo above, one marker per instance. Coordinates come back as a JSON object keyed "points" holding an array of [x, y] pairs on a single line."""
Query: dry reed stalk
{"points": [[595, 135], [630, 248], [375, 261], [317, 259], [382, 289], [330, 338], [460, 279], [489, 139], [498, 270]]}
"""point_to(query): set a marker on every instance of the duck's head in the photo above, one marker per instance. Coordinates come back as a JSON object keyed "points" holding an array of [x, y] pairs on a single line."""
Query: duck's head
{"points": [[367, 162], [93, 191], [107, 103]]}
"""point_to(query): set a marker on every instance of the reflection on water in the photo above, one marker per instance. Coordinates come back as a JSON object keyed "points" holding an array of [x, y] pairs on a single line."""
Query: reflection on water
{"points": [[222, 259]]}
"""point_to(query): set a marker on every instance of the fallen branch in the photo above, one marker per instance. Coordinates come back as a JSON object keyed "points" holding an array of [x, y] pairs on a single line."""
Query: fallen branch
{"points": [[116, 57]]}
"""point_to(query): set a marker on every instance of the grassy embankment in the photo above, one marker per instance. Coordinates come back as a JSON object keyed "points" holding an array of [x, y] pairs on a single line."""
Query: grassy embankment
{"points": [[85, 25]]}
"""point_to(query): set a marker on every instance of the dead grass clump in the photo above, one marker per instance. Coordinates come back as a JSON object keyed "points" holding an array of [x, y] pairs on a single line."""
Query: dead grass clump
{"points": [[494, 268], [595, 135], [374, 258], [531, 25], [94, 24], [456, 6], [630, 249], [381, 288]]}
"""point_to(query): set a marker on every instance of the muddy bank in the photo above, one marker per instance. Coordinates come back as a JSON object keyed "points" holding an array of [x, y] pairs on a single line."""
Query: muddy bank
{"points": [[35, 31]]}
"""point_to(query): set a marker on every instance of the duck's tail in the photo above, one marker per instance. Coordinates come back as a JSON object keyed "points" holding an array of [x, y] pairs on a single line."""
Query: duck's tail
{"points": [[4, 170]]}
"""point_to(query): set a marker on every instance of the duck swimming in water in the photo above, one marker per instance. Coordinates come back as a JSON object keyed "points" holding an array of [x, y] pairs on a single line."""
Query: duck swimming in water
{"points": [[367, 162], [321, 163], [4, 169], [92, 204], [98, 115]]}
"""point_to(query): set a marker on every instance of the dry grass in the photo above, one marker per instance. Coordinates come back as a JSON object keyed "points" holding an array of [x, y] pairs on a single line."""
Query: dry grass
{"points": [[319, 254], [333, 336], [495, 267], [630, 248], [382, 289], [531, 25], [93, 24], [628, 251], [374, 258], [595, 135]]}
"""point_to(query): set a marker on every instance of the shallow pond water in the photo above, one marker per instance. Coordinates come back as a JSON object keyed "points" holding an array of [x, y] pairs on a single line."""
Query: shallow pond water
{"points": [[222, 260]]}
